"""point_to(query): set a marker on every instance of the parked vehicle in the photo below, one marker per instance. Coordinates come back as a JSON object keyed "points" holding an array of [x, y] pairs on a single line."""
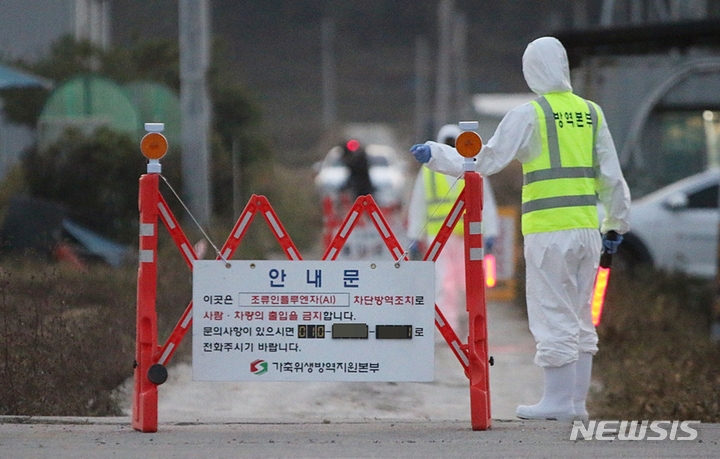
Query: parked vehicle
{"points": [[387, 174], [675, 228]]}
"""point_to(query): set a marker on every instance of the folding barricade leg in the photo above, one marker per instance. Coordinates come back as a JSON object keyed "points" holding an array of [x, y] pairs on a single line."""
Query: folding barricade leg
{"points": [[364, 205], [145, 397], [432, 254], [475, 290], [151, 359]]}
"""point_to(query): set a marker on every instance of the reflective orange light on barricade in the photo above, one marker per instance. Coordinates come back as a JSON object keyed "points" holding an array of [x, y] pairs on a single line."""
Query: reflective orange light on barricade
{"points": [[468, 144], [598, 299], [490, 271], [154, 145]]}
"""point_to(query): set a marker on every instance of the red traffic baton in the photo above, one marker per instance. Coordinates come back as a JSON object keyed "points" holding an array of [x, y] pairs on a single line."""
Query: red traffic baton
{"points": [[602, 278]]}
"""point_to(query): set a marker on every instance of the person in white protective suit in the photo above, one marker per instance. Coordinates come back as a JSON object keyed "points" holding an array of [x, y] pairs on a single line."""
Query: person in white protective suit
{"points": [[569, 161], [432, 199]]}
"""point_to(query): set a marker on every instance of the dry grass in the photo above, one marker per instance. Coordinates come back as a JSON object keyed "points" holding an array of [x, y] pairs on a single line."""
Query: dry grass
{"points": [[656, 358], [66, 339]]}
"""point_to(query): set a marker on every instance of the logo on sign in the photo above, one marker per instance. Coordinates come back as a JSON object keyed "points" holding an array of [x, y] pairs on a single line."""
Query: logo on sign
{"points": [[258, 367]]}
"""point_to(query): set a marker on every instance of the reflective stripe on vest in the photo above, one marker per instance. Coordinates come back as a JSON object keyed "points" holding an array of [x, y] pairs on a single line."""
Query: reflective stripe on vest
{"points": [[559, 185], [440, 199]]}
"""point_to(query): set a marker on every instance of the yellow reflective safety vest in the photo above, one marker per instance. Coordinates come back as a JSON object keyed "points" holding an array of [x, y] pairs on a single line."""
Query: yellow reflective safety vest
{"points": [[440, 199], [559, 186]]}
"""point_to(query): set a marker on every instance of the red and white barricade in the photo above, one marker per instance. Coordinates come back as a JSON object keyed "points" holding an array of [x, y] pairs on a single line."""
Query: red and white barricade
{"points": [[152, 358]]}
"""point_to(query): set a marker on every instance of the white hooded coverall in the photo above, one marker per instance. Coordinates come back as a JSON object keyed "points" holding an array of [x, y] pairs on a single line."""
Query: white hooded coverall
{"points": [[560, 265]]}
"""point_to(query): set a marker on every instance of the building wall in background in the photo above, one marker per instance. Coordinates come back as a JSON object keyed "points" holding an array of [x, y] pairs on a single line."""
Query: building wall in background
{"points": [[28, 28]]}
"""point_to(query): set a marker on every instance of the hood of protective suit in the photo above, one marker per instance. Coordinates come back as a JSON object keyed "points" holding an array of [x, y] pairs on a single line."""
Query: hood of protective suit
{"points": [[545, 66], [449, 131]]}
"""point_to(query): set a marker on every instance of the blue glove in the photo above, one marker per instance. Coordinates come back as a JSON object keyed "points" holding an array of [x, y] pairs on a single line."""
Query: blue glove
{"points": [[421, 152], [488, 244], [610, 245]]}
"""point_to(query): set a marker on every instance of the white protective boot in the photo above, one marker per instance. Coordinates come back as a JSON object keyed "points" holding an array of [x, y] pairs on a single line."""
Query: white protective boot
{"points": [[557, 401], [583, 370]]}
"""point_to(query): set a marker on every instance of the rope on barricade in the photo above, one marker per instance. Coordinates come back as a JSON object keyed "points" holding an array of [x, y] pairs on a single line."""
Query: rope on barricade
{"points": [[177, 196], [434, 211]]}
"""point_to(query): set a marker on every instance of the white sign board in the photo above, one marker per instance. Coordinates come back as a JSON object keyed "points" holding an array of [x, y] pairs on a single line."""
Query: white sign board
{"points": [[313, 321]]}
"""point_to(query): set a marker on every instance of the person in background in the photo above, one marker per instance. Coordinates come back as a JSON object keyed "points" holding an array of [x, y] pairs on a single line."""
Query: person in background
{"points": [[432, 199], [569, 162], [355, 159]]}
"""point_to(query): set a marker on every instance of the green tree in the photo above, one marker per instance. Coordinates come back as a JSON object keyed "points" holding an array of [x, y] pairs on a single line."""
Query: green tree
{"points": [[90, 176], [76, 159]]}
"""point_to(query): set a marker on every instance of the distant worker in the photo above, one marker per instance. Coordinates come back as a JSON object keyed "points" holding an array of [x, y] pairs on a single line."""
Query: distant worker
{"points": [[569, 161], [432, 200], [355, 159]]}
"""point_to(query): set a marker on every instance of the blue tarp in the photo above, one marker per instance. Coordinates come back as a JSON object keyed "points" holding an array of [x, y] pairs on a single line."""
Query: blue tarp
{"points": [[37, 225], [13, 78], [113, 253]]}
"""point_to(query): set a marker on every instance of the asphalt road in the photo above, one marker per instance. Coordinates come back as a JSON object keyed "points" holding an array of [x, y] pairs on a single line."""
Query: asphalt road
{"points": [[59, 438]]}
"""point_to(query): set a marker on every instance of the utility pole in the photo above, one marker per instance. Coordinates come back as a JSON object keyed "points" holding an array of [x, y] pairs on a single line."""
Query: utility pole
{"points": [[194, 30], [329, 91], [446, 10], [452, 96], [92, 22], [463, 104], [422, 75]]}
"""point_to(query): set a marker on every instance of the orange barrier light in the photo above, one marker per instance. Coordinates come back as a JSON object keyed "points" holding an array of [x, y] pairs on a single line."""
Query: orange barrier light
{"points": [[490, 271], [154, 145], [468, 144]]}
